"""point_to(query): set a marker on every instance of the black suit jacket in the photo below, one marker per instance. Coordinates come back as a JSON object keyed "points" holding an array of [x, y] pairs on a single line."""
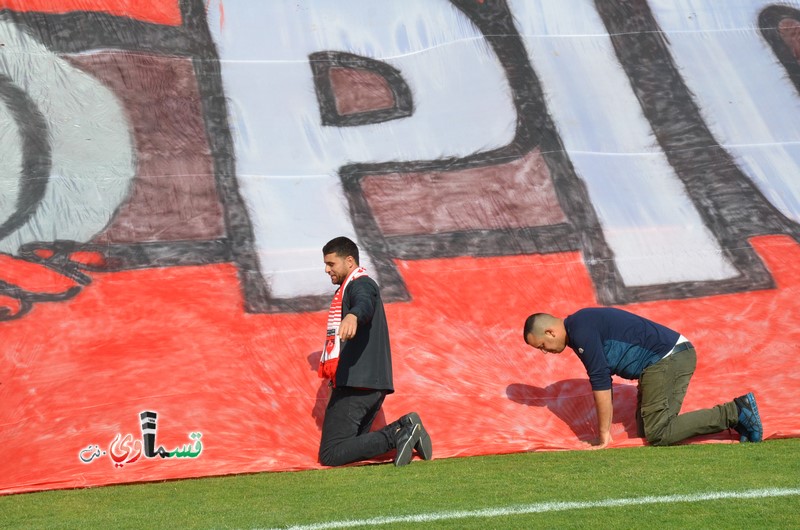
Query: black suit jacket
{"points": [[365, 361]]}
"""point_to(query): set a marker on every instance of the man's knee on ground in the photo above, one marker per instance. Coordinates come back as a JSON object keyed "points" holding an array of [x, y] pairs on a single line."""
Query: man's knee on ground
{"points": [[656, 437], [328, 457]]}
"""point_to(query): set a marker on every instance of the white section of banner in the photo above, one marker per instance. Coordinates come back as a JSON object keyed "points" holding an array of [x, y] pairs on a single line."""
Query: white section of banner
{"points": [[742, 89], [647, 217], [92, 163], [288, 162]]}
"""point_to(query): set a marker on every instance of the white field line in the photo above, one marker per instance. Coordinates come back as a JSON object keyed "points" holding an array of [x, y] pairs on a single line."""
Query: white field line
{"points": [[551, 507]]}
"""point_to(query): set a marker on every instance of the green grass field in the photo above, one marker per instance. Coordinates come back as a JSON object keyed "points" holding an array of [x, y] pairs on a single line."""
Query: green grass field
{"points": [[759, 483]]}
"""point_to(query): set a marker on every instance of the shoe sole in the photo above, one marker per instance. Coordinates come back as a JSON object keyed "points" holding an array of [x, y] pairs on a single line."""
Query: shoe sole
{"points": [[424, 447], [406, 451]]}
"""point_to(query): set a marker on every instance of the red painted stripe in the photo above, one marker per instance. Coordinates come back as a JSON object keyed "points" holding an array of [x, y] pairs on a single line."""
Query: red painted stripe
{"points": [[161, 12]]}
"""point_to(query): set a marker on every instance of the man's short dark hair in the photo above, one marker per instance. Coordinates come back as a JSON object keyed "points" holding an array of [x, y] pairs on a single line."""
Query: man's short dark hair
{"points": [[342, 247], [530, 324]]}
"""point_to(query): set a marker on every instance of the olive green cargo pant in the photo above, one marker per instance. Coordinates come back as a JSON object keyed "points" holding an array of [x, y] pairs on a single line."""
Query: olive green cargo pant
{"points": [[662, 388]]}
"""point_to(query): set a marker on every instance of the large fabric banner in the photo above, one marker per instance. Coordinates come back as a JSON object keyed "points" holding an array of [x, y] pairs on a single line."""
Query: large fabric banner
{"points": [[170, 170]]}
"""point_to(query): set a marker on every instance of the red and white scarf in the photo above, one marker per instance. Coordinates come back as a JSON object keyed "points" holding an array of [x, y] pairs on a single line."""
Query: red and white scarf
{"points": [[329, 360]]}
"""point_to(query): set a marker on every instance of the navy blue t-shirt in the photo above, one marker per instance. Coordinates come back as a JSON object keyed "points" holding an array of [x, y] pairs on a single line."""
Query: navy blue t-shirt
{"points": [[612, 341]]}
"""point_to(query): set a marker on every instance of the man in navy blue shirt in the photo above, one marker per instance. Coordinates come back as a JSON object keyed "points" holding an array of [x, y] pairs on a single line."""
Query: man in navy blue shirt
{"points": [[612, 341]]}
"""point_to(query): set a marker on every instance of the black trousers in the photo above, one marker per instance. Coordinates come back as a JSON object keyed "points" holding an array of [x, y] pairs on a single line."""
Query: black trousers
{"points": [[346, 435]]}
